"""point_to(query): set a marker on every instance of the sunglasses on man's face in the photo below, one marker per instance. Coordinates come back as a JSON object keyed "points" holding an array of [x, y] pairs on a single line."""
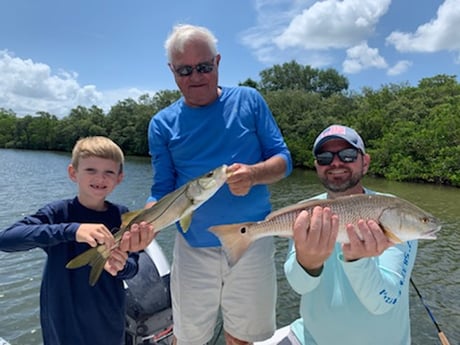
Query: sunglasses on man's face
{"points": [[348, 155], [186, 70]]}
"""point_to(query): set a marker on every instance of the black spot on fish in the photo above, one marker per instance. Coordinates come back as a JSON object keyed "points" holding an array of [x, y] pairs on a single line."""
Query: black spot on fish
{"points": [[243, 230]]}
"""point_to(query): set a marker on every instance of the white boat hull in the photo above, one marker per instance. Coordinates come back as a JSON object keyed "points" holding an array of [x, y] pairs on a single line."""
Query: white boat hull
{"points": [[277, 337]]}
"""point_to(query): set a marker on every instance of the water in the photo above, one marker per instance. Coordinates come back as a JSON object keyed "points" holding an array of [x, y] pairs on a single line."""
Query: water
{"points": [[30, 179]]}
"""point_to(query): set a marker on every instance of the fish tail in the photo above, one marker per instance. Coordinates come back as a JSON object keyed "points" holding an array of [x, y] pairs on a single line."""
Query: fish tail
{"points": [[95, 257], [234, 239]]}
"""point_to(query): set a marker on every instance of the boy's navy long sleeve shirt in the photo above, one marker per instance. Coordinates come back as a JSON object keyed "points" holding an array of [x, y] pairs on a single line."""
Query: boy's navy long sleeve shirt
{"points": [[71, 311]]}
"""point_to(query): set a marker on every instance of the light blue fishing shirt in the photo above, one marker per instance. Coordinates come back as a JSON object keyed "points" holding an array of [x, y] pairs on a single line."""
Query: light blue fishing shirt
{"points": [[186, 142], [364, 302]]}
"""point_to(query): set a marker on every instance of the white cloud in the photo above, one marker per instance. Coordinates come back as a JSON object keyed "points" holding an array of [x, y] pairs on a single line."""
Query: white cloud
{"points": [[333, 24], [319, 33], [307, 31], [441, 33], [399, 68], [361, 57], [272, 17], [28, 87]]}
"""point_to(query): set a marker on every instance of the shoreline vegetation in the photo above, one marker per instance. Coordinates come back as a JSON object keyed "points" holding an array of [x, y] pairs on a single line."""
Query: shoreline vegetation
{"points": [[411, 132]]}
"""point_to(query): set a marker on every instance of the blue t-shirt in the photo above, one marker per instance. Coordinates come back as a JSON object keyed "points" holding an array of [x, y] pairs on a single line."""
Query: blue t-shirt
{"points": [[71, 311], [360, 302], [186, 142]]}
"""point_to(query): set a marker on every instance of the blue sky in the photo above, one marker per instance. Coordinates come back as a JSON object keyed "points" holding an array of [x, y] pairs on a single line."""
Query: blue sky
{"points": [[57, 54]]}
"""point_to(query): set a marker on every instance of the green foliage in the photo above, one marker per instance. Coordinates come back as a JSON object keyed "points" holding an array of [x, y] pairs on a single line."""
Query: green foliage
{"points": [[420, 136], [128, 120], [7, 128], [293, 76], [301, 116], [412, 133], [250, 83]]}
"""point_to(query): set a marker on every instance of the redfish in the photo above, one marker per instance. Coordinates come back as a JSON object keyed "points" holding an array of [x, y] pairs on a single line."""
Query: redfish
{"points": [[399, 219]]}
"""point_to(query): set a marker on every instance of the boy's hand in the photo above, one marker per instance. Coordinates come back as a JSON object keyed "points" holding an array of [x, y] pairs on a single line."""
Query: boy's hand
{"points": [[116, 261], [138, 237], [94, 234]]}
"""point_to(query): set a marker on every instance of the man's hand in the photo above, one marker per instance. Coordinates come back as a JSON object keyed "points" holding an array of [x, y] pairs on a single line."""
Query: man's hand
{"points": [[315, 238], [240, 179], [116, 261], [138, 237], [371, 242]]}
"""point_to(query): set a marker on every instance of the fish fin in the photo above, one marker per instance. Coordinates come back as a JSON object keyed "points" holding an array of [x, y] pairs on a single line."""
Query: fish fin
{"points": [[234, 240], [305, 205], [391, 235], [129, 216], [185, 222], [83, 259], [97, 266], [95, 257]]}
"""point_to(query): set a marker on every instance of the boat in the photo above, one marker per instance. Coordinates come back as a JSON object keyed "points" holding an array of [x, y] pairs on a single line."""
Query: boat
{"points": [[4, 342], [278, 338], [148, 300]]}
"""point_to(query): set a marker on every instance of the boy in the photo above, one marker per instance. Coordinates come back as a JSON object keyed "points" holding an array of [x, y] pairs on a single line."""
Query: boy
{"points": [[71, 311]]}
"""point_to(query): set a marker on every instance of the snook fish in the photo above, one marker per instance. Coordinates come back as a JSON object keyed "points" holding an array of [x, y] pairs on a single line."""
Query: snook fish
{"points": [[175, 206], [399, 219]]}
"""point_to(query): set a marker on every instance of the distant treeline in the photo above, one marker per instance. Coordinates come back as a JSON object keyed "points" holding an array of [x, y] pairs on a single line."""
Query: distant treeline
{"points": [[411, 132]]}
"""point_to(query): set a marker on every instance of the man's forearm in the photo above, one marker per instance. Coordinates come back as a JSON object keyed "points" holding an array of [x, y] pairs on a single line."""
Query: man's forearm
{"points": [[270, 171]]}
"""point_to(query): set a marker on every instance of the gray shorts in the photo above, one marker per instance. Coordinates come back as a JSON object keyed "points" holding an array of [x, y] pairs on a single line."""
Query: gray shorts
{"points": [[202, 282]]}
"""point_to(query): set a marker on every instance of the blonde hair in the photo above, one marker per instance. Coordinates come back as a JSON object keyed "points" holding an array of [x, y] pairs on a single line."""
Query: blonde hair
{"points": [[184, 33], [97, 146]]}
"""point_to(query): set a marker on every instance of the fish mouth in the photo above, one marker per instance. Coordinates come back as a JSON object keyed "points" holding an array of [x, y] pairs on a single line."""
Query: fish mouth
{"points": [[431, 234]]}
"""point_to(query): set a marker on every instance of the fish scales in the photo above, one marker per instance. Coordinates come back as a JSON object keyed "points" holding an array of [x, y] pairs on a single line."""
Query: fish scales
{"points": [[399, 219], [350, 210], [166, 212]]}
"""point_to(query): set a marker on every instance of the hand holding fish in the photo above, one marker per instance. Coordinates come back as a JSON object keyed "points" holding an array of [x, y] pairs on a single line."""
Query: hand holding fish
{"points": [[138, 237], [116, 261], [373, 241], [314, 238], [240, 178], [94, 234]]}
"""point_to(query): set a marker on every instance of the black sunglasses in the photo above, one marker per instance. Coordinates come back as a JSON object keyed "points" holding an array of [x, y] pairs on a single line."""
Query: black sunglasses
{"points": [[348, 155], [186, 70]]}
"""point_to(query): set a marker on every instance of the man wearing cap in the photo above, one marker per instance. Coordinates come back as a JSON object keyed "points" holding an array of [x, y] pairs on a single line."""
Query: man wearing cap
{"points": [[356, 293]]}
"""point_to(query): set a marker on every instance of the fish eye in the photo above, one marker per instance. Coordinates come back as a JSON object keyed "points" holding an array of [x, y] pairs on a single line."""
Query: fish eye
{"points": [[425, 220], [243, 230], [209, 174]]}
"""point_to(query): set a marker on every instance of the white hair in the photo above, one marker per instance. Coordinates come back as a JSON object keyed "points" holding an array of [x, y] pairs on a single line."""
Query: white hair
{"points": [[184, 33]]}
